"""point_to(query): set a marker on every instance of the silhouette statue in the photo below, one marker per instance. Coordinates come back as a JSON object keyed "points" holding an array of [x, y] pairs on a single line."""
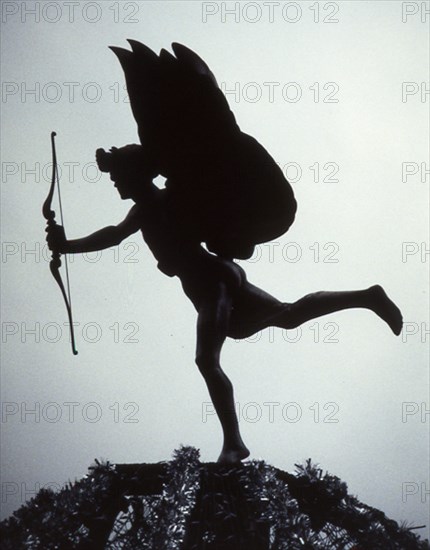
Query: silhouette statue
{"points": [[222, 189]]}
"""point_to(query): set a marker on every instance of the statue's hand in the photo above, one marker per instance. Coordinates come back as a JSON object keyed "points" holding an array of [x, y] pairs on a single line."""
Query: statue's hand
{"points": [[56, 238]]}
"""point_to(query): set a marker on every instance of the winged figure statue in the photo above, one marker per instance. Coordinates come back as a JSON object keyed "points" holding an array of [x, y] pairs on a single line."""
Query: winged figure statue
{"points": [[223, 195]]}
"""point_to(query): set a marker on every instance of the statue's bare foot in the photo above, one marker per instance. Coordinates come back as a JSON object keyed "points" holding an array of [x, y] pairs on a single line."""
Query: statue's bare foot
{"points": [[233, 455], [386, 308]]}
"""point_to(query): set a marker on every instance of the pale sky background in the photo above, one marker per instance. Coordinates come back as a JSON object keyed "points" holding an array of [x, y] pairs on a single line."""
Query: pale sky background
{"points": [[362, 377]]}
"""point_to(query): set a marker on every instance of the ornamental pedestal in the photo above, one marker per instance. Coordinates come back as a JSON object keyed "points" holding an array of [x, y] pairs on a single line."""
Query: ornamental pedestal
{"points": [[185, 504]]}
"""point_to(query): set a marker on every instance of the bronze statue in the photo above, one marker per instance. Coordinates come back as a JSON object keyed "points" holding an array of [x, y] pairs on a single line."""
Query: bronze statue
{"points": [[223, 189]]}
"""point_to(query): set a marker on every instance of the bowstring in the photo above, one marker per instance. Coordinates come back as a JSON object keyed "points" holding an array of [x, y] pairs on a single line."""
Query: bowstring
{"points": [[62, 223]]}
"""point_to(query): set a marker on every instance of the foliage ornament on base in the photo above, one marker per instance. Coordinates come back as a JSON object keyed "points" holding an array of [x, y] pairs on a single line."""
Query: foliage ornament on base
{"points": [[184, 504]]}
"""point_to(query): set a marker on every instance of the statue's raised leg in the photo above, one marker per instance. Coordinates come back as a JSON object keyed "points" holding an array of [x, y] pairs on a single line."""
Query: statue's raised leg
{"points": [[256, 310]]}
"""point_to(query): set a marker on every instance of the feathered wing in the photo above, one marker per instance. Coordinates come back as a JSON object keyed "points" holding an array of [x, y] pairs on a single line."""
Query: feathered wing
{"points": [[180, 112], [224, 188]]}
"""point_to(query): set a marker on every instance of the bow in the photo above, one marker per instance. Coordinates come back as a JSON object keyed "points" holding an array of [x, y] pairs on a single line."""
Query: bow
{"points": [[55, 262]]}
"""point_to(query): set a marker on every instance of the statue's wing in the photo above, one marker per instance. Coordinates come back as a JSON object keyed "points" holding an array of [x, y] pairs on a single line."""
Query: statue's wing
{"points": [[181, 114], [223, 187]]}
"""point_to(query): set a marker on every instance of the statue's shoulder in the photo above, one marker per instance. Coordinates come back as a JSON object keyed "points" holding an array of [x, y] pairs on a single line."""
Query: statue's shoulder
{"points": [[133, 220], [134, 212]]}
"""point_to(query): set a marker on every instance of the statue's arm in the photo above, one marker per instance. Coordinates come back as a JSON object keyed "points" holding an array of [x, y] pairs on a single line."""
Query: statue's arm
{"points": [[107, 237]]}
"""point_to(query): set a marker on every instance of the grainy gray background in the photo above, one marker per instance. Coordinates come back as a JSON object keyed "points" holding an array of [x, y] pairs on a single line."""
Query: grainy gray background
{"points": [[355, 216]]}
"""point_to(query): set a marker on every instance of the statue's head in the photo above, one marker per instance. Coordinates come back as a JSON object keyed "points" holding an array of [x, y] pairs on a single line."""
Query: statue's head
{"points": [[127, 166]]}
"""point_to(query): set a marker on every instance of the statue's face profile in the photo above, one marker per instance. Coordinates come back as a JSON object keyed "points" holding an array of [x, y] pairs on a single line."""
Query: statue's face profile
{"points": [[125, 168], [122, 183]]}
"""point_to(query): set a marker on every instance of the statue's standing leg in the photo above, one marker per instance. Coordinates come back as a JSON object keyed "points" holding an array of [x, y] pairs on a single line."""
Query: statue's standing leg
{"points": [[212, 326]]}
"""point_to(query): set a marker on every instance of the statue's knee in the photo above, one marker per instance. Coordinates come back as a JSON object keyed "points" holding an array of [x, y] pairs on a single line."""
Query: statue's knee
{"points": [[291, 317], [206, 364]]}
